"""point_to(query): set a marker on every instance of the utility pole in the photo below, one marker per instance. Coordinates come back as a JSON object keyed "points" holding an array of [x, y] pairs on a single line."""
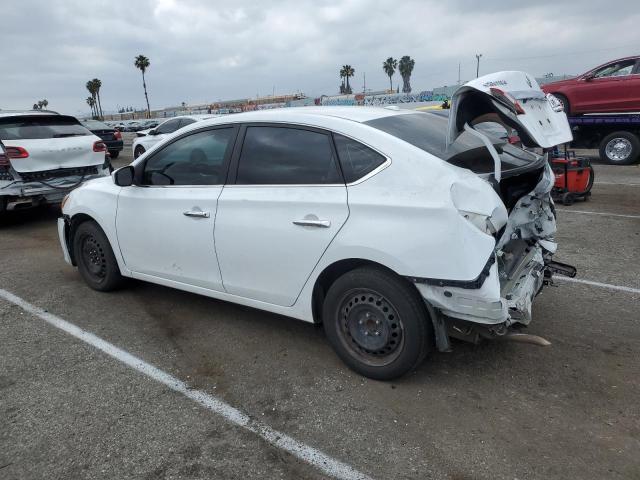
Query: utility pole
{"points": [[478, 55], [364, 85], [458, 73]]}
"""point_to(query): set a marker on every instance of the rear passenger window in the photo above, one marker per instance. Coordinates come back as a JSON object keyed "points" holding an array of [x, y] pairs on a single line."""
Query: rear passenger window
{"points": [[286, 156], [357, 160]]}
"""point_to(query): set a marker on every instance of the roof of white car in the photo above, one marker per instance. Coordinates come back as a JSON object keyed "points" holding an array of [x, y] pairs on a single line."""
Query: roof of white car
{"points": [[302, 114]]}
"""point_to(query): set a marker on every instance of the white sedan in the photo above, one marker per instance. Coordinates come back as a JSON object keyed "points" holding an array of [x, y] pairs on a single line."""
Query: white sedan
{"points": [[146, 139], [362, 219]]}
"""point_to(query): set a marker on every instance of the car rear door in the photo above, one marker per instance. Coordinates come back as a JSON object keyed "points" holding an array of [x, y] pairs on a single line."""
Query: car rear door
{"points": [[282, 208], [165, 221]]}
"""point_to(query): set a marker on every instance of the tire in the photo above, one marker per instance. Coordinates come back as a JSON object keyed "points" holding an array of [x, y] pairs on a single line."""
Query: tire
{"points": [[565, 102], [139, 150], [567, 199], [620, 148], [114, 154], [93, 254], [377, 323]]}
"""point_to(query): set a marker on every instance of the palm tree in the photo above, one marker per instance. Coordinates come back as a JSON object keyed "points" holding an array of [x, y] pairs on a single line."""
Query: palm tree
{"points": [[389, 67], [347, 72], [406, 67], [36, 107], [92, 90], [142, 63], [96, 87], [92, 103], [342, 86]]}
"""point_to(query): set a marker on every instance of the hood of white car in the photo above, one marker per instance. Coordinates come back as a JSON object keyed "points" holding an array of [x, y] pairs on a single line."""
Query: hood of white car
{"points": [[515, 100]]}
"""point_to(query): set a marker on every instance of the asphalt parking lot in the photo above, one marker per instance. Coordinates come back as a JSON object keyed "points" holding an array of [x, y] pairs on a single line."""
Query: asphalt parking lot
{"points": [[493, 411]]}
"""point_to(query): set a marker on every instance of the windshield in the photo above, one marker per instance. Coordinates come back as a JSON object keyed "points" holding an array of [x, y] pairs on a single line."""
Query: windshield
{"points": [[32, 127], [428, 131]]}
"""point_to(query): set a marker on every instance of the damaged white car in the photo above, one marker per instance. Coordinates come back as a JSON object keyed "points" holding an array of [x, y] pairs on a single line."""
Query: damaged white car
{"points": [[45, 155], [395, 229]]}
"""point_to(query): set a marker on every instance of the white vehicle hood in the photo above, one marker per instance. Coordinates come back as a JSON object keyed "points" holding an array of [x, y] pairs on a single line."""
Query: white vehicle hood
{"points": [[519, 102]]}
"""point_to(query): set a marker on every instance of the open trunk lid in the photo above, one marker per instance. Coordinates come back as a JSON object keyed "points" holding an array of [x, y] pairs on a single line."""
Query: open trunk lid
{"points": [[517, 100]]}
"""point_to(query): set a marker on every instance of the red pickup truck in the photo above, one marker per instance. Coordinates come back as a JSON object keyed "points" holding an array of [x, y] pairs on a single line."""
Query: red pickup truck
{"points": [[610, 88]]}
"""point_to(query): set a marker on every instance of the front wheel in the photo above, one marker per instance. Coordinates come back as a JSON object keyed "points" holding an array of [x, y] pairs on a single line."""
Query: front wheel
{"points": [[93, 254], [377, 323]]}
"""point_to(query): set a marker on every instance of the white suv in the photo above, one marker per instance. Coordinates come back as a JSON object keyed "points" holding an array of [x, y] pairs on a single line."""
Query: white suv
{"points": [[45, 155]]}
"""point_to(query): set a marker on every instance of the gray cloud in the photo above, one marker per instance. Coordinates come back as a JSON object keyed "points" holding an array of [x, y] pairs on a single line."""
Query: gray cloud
{"points": [[201, 51]]}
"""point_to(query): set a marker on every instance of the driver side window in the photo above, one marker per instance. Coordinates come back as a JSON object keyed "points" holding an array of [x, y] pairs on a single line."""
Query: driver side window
{"points": [[196, 159], [616, 69], [169, 126]]}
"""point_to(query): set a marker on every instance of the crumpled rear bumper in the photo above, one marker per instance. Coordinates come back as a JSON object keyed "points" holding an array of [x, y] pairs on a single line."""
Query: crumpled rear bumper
{"points": [[517, 273], [501, 299], [51, 190]]}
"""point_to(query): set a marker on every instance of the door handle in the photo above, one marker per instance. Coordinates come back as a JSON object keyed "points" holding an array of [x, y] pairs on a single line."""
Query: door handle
{"points": [[196, 213], [312, 223]]}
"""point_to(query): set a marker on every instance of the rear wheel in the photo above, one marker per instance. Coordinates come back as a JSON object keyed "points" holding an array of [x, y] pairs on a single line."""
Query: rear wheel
{"points": [[93, 254], [620, 148], [139, 150], [377, 323]]}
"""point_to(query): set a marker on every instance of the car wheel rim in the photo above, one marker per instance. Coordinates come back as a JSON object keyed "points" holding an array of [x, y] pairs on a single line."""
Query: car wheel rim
{"points": [[618, 149], [93, 257], [370, 327]]}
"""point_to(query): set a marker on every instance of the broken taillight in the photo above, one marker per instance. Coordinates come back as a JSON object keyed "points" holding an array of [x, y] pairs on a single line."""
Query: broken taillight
{"points": [[508, 99], [99, 146]]}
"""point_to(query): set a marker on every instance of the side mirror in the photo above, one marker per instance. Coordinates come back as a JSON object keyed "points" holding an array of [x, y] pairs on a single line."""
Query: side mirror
{"points": [[589, 77], [123, 177], [153, 132]]}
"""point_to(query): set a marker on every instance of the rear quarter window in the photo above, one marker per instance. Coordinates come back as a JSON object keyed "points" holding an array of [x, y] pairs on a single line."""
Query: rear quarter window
{"points": [[32, 127], [357, 160]]}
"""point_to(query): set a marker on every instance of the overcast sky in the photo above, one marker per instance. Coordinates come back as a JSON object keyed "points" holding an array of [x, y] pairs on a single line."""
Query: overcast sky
{"points": [[203, 50]]}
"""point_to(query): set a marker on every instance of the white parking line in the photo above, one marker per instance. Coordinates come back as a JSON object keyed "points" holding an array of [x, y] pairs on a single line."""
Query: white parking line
{"points": [[604, 214], [618, 183], [311, 455], [598, 284]]}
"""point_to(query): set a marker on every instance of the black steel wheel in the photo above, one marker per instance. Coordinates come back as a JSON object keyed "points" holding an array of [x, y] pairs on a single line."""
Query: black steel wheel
{"points": [[377, 323], [93, 255]]}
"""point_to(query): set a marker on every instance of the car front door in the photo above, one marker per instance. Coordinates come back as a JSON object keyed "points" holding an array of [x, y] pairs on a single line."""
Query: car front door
{"points": [[286, 202], [608, 89], [165, 220]]}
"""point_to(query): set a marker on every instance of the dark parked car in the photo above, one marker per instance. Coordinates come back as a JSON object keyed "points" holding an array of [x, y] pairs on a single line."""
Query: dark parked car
{"points": [[612, 87], [109, 135]]}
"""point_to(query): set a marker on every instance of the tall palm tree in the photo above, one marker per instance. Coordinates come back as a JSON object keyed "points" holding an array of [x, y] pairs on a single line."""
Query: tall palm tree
{"points": [[97, 84], [347, 72], [142, 63], [92, 90], [389, 67], [342, 86], [406, 68]]}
